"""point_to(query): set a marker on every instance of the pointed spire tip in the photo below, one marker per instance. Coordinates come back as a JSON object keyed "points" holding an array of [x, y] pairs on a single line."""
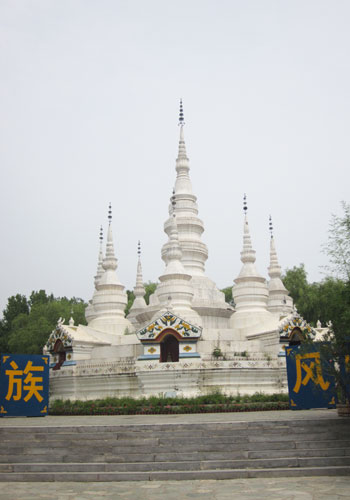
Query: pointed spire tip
{"points": [[110, 213], [181, 114], [271, 226], [173, 201], [245, 204]]}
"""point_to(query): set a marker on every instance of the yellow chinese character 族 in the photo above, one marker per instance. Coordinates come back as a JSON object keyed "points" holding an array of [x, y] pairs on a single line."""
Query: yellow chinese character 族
{"points": [[311, 364], [31, 385]]}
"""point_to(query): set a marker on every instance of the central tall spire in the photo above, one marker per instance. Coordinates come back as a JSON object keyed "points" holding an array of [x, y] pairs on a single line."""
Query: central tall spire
{"points": [[175, 282], [189, 226]]}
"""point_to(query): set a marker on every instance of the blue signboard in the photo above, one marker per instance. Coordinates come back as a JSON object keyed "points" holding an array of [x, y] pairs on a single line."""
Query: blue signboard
{"points": [[24, 385], [309, 384]]}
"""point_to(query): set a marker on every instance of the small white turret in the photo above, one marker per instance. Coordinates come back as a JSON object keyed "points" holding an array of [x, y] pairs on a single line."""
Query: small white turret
{"points": [[250, 290], [89, 311], [279, 301], [109, 300], [139, 303]]}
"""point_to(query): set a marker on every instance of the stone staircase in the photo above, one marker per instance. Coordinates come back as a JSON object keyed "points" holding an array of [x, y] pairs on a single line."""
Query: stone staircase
{"points": [[176, 451]]}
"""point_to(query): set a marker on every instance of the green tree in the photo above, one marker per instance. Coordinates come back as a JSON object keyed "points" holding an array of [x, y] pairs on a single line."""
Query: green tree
{"points": [[40, 297], [295, 280], [31, 326], [150, 288], [16, 305], [228, 294], [325, 301], [131, 298], [330, 300], [338, 250], [338, 245]]}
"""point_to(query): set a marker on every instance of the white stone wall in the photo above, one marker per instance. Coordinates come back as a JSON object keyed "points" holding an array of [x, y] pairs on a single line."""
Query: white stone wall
{"points": [[188, 377]]}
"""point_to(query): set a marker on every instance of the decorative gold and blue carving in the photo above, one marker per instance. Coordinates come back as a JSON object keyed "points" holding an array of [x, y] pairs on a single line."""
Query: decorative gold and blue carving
{"points": [[291, 323], [59, 333], [169, 320]]}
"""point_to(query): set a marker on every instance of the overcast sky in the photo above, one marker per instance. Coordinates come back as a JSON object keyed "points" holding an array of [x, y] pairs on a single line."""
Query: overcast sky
{"points": [[89, 94]]}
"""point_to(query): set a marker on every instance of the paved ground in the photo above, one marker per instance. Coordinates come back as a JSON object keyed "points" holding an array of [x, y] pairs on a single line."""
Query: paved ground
{"points": [[314, 488], [158, 419]]}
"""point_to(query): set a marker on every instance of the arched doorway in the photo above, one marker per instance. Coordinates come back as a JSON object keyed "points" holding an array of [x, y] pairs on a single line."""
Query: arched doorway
{"points": [[296, 337], [60, 354], [169, 349]]}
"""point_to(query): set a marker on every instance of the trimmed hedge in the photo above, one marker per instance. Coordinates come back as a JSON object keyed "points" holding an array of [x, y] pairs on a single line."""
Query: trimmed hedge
{"points": [[213, 403]]}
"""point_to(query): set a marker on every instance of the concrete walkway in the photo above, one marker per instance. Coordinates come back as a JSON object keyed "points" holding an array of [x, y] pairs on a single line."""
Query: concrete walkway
{"points": [[309, 488], [51, 421]]}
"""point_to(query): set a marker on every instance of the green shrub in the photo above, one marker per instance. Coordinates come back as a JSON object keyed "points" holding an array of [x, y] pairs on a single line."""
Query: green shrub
{"points": [[214, 402]]}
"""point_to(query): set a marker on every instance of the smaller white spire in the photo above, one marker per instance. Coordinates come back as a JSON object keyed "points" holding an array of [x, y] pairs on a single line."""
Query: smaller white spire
{"points": [[110, 262], [100, 259], [89, 311], [106, 311], [174, 254], [139, 303], [274, 269], [139, 289], [279, 302], [250, 289], [183, 182], [247, 253]]}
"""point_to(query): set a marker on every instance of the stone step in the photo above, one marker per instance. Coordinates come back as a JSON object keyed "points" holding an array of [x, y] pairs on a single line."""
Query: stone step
{"points": [[181, 443], [174, 475], [32, 435], [178, 466], [175, 451], [129, 431], [158, 454], [177, 457]]}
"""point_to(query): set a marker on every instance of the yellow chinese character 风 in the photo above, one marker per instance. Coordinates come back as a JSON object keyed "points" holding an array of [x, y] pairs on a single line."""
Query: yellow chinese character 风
{"points": [[309, 371]]}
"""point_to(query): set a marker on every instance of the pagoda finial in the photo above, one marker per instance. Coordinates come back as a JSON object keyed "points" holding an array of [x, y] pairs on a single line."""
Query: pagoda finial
{"points": [[139, 249], [271, 226], [110, 213], [173, 202], [181, 115], [101, 234], [245, 204]]}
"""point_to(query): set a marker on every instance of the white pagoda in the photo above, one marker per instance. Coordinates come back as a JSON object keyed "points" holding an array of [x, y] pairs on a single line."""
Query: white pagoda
{"points": [[187, 340]]}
